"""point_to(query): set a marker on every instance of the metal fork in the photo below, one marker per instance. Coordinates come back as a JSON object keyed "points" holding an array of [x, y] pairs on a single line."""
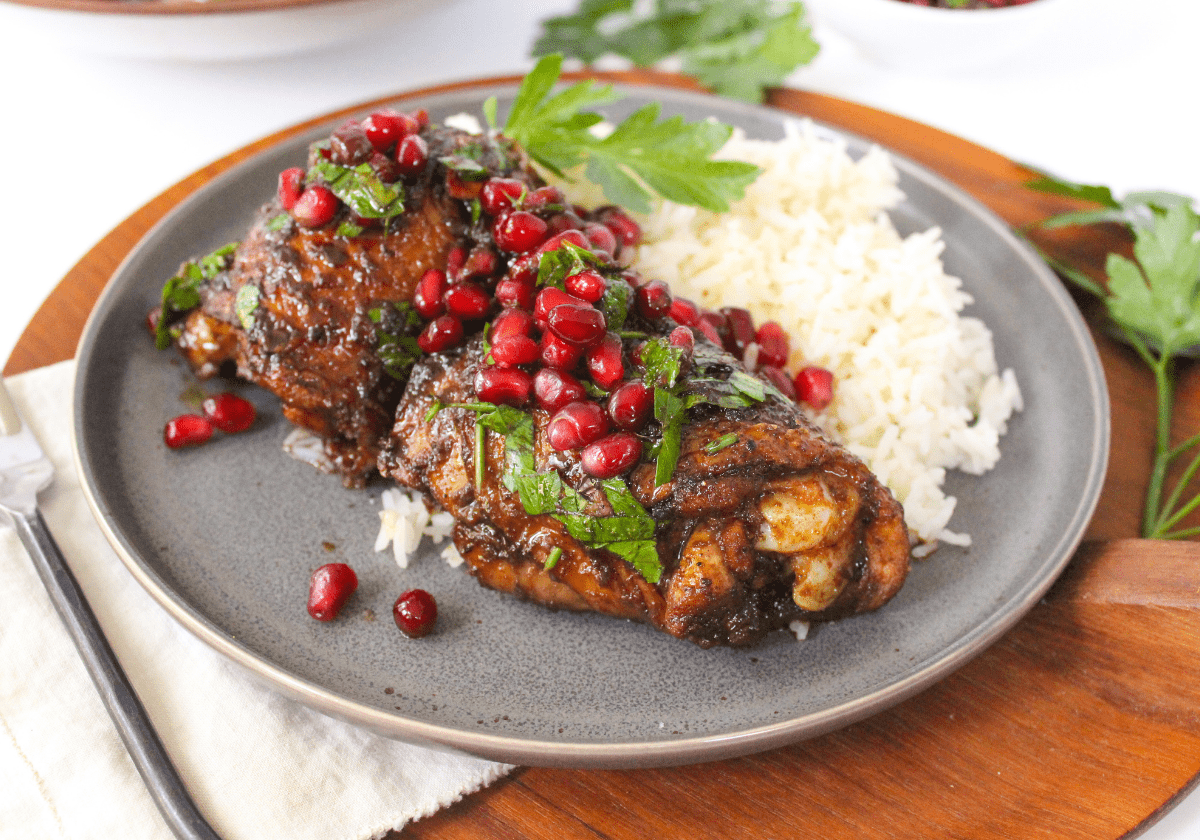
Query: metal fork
{"points": [[24, 472]]}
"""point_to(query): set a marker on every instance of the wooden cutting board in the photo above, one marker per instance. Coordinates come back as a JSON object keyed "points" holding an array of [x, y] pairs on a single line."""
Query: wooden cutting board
{"points": [[1082, 722]]}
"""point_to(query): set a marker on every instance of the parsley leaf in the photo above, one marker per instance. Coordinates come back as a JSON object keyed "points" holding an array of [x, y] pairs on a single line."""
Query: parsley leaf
{"points": [[639, 158], [735, 47], [181, 293], [361, 189]]}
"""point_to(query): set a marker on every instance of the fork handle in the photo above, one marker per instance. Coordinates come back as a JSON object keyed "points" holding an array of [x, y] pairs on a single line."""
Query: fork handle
{"points": [[142, 742]]}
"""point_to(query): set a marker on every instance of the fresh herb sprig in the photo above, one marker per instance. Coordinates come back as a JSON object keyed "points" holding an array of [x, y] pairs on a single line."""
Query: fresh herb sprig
{"points": [[737, 48], [1153, 301], [642, 156], [181, 293]]}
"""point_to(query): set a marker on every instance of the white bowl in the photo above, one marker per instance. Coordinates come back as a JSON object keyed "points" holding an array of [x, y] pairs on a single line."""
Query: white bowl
{"points": [[203, 30], [909, 37]]}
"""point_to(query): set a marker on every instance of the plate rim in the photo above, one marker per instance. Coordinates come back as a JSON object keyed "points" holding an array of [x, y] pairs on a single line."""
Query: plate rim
{"points": [[628, 753]]}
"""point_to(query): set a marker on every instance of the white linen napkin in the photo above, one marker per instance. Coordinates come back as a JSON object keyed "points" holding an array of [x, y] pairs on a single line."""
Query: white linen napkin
{"points": [[257, 764]]}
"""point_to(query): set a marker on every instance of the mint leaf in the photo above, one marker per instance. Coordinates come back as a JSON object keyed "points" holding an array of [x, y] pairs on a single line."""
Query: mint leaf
{"points": [[361, 189], [181, 293], [640, 158]]}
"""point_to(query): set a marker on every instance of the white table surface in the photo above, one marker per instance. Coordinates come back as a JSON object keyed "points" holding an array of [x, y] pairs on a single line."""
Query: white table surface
{"points": [[89, 138]]}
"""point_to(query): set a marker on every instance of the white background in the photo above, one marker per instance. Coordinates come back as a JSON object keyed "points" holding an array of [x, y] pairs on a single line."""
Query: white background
{"points": [[88, 138]]}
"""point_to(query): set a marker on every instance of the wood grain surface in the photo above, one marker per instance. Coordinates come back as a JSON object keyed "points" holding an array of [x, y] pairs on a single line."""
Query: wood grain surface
{"points": [[1081, 722]]}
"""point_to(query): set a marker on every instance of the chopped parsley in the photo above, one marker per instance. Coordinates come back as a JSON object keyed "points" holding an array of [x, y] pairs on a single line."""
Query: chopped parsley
{"points": [[360, 188], [181, 293], [395, 338], [245, 303]]}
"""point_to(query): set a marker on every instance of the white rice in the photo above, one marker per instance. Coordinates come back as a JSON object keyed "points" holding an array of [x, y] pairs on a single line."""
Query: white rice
{"points": [[916, 386], [405, 520]]}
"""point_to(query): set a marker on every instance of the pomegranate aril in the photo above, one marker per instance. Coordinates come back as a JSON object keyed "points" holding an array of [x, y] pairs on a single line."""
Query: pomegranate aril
{"points": [[455, 260], [684, 338], [814, 385], [440, 334], [631, 405], [386, 128], [481, 262], [518, 231], [626, 230], [349, 145], [741, 329], [316, 206], [415, 613], [718, 322], [503, 386], [329, 589], [605, 362], [427, 298], [611, 456], [523, 268], [706, 329], [547, 299], [559, 354], [291, 185], [514, 293], [385, 167], [580, 325], [600, 238], [777, 377], [589, 285], [467, 300], [545, 197], [555, 388], [562, 222], [772, 345], [511, 322], [412, 154], [653, 299], [229, 413], [576, 424], [461, 188], [500, 195], [684, 312], [514, 350], [187, 430], [572, 237]]}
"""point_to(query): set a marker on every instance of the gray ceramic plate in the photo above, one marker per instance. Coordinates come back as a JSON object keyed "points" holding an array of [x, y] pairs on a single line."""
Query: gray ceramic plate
{"points": [[224, 536]]}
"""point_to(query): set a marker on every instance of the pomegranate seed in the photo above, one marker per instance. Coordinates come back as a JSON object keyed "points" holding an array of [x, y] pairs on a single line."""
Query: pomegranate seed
{"points": [[631, 405], [719, 324], [386, 168], [481, 262], [562, 222], [580, 325], [503, 386], [605, 363], [814, 385], [524, 268], [684, 312], [547, 299], [601, 239], [291, 185], [545, 197], [514, 293], [624, 228], [706, 329], [741, 329], [653, 299], [779, 379], [683, 337], [612, 455], [514, 350], [518, 231], [588, 285], [427, 299], [555, 388], [467, 300], [415, 613], [411, 155], [772, 345], [511, 322], [573, 237], [386, 128], [364, 221], [499, 195], [349, 146], [229, 413], [455, 260], [315, 207], [576, 424], [187, 430], [559, 354], [329, 589], [440, 334]]}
